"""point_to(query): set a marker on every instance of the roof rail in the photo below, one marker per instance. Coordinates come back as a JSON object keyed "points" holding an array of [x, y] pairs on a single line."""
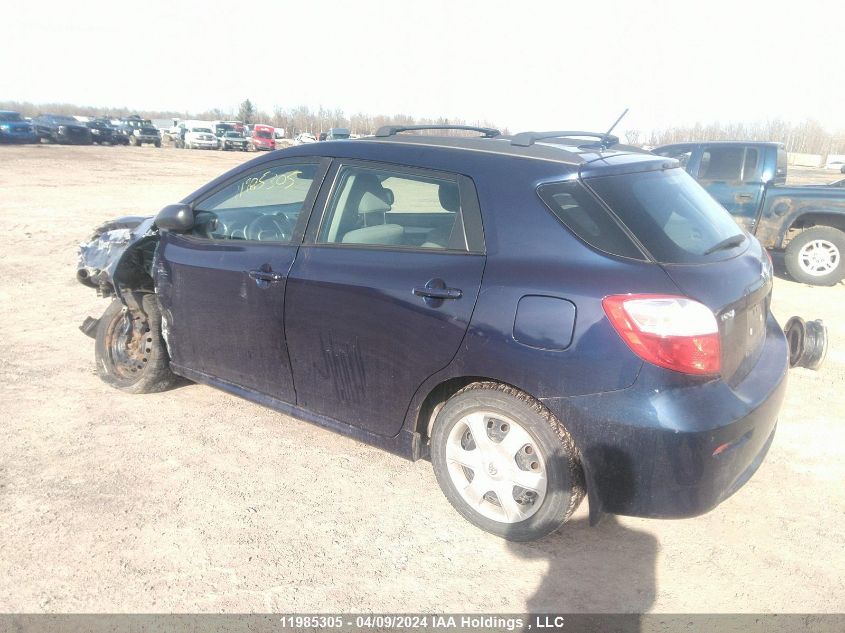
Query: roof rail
{"points": [[392, 130], [526, 139]]}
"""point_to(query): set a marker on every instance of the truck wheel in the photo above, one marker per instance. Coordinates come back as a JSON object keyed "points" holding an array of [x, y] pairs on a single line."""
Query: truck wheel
{"points": [[158, 143], [505, 462], [129, 349], [815, 256]]}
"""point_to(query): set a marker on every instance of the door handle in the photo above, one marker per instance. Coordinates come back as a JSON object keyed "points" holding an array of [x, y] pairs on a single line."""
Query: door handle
{"points": [[438, 293], [743, 197], [437, 289], [265, 275]]}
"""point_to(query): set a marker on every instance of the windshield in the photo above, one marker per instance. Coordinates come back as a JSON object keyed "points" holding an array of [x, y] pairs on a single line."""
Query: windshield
{"points": [[233, 135], [64, 119], [263, 134], [201, 129], [671, 215], [10, 116]]}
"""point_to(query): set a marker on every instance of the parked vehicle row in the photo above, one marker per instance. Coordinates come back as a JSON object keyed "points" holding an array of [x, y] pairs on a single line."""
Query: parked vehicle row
{"points": [[60, 128]]}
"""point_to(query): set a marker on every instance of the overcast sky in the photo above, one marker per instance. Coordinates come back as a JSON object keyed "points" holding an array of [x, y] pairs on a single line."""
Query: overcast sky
{"points": [[525, 65]]}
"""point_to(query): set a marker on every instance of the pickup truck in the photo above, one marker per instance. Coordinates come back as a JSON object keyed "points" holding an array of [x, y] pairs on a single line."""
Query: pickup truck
{"points": [[749, 179]]}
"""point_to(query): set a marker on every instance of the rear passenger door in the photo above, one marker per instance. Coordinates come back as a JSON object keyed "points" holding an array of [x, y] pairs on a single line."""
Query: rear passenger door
{"points": [[382, 290]]}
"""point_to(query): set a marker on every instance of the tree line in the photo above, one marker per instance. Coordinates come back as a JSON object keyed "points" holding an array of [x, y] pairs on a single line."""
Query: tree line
{"points": [[807, 137]]}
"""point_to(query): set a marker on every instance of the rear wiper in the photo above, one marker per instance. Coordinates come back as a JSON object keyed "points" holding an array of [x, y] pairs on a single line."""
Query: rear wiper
{"points": [[729, 242]]}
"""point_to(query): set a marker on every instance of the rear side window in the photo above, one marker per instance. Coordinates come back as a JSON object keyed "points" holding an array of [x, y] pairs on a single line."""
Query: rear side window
{"points": [[582, 214], [671, 215], [392, 208]]}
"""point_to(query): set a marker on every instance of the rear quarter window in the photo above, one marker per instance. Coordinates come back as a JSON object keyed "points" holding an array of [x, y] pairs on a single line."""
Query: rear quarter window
{"points": [[582, 214]]}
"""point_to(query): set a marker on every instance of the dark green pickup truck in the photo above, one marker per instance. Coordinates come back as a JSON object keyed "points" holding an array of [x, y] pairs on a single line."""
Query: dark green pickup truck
{"points": [[748, 179]]}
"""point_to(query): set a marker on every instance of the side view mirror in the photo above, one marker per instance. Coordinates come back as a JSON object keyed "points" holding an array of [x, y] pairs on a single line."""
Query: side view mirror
{"points": [[175, 217]]}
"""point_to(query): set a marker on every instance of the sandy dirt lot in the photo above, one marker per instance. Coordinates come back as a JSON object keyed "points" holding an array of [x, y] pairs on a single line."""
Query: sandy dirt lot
{"points": [[194, 500]]}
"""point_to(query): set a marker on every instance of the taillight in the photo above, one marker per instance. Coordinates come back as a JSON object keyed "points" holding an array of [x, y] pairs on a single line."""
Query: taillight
{"points": [[666, 330]]}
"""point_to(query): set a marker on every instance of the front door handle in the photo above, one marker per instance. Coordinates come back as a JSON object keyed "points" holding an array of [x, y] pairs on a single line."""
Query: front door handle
{"points": [[743, 197], [437, 290], [265, 275], [438, 293]]}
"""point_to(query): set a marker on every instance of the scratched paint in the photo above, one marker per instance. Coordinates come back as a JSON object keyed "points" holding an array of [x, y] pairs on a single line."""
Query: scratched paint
{"points": [[343, 365]]}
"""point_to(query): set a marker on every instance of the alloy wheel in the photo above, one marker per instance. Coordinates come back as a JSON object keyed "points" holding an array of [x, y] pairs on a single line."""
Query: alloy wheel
{"points": [[819, 257]]}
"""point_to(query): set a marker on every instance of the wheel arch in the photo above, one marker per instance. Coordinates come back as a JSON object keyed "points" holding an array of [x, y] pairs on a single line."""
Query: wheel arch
{"points": [[819, 218], [424, 415]]}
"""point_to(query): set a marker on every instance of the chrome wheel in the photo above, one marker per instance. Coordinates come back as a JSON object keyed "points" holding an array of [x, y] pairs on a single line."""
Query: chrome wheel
{"points": [[496, 467], [819, 257]]}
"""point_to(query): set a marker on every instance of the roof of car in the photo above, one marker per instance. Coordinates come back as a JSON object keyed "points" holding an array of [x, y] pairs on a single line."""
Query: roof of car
{"points": [[560, 150]]}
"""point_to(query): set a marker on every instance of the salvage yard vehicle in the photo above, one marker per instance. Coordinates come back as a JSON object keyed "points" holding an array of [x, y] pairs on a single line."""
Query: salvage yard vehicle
{"points": [[262, 138], [103, 132], [544, 315], [233, 140], [199, 138], [337, 134], [14, 129], [58, 128], [749, 180], [140, 131]]}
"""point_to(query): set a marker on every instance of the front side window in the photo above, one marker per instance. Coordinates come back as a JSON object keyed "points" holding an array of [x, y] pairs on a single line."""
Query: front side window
{"points": [[382, 207], [263, 205]]}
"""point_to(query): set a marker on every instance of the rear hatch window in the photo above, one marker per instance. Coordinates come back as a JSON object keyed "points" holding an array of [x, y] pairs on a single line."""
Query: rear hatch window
{"points": [[671, 215]]}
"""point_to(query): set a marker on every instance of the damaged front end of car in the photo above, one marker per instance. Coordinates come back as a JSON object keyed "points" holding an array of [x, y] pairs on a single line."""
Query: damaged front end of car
{"points": [[117, 261]]}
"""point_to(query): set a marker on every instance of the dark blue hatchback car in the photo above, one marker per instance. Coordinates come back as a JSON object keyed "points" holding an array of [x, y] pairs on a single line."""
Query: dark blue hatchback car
{"points": [[543, 315]]}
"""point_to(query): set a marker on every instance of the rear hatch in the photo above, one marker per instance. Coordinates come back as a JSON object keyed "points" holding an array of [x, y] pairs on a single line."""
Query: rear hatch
{"points": [[702, 250]]}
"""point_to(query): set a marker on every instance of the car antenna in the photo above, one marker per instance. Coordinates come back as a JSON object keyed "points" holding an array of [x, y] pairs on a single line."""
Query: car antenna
{"points": [[604, 139]]}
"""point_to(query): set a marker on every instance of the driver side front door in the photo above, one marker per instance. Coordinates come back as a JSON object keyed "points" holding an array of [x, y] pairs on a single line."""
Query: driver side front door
{"points": [[222, 285]]}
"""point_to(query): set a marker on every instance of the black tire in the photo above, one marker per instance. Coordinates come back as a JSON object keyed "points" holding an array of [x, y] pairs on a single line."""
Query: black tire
{"points": [[158, 143], [818, 234], [564, 476], [129, 350]]}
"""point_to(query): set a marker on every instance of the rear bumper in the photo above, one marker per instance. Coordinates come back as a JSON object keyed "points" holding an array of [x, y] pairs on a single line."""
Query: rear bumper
{"points": [[671, 446]]}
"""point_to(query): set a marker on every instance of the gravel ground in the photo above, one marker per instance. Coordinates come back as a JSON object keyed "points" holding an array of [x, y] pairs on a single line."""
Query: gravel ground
{"points": [[194, 500]]}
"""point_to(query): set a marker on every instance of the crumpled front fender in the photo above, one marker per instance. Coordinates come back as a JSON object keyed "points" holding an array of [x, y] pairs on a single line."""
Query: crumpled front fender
{"points": [[100, 257]]}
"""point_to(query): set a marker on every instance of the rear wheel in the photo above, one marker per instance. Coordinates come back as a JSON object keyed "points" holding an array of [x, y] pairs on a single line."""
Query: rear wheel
{"points": [[129, 349], [815, 256], [505, 462]]}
